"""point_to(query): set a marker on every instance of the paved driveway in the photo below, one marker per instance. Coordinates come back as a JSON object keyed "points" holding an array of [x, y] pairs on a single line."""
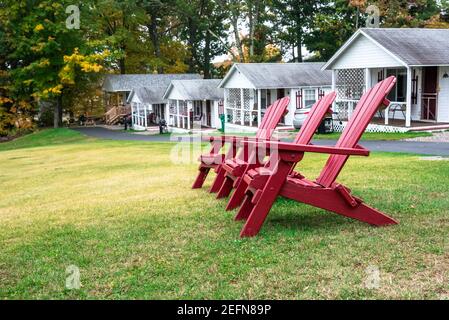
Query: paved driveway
{"points": [[416, 147]]}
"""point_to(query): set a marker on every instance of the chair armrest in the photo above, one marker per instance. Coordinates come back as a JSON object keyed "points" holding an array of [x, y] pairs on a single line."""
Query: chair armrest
{"points": [[232, 139], [301, 148]]}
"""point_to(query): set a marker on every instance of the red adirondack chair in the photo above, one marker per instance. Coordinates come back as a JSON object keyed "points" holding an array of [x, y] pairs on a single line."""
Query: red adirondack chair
{"points": [[235, 169], [265, 185], [214, 159]]}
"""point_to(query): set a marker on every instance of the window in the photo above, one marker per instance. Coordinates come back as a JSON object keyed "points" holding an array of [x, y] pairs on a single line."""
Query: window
{"points": [[399, 92], [309, 97]]}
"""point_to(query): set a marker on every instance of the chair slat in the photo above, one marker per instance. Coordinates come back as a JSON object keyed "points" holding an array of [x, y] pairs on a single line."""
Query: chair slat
{"points": [[272, 117], [356, 126], [313, 120]]}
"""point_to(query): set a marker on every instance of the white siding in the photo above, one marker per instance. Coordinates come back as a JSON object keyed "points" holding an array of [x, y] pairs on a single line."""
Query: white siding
{"points": [[174, 94], [135, 99], [288, 119], [443, 96], [237, 80], [363, 53], [216, 115]]}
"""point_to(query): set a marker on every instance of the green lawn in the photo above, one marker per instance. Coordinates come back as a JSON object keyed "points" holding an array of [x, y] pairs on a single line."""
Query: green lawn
{"points": [[126, 216]]}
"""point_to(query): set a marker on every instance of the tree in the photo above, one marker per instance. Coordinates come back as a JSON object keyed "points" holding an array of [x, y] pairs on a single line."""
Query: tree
{"points": [[294, 18], [202, 28], [45, 56], [117, 26], [333, 24]]}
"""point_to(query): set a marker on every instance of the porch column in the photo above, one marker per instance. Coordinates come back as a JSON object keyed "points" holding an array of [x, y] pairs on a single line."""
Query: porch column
{"points": [[408, 109], [334, 88], [138, 114], [225, 104], [242, 108], [188, 114], [367, 79], [178, 122], [145, 120], [259, 107], [132, 114]]}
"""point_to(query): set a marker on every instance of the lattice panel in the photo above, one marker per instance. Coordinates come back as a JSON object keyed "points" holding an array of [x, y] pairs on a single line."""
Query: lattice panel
{"points": [[339, 127], [238, 116], [341, 110], [350, 83], [233, 105], [247, 105]]}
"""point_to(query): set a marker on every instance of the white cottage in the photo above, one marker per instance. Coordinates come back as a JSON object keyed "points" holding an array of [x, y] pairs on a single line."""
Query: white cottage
{"points": [[419, 58], [147, 107], [118, 93], [251, 87], [194, 103]]}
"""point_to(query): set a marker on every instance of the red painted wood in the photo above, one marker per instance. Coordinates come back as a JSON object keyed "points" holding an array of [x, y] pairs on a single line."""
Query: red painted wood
{"points": [[331, 200], [269, 122], [370, 102], [262, 190], [304, 136]]}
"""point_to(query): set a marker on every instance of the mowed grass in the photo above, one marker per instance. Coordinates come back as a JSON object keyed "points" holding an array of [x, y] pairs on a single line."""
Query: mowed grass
{"points": [[126, 216]]}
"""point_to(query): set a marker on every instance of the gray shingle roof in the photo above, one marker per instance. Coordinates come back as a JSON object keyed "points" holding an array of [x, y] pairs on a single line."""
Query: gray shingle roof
{"points": [[285, 75], [153, 95], [415, 47], [197, 89], [128, 82]]}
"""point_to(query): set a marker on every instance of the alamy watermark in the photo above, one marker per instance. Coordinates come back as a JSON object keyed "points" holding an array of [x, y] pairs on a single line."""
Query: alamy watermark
{"points": [[373, 19], [73, 280], [73, 21], [372, 279]]}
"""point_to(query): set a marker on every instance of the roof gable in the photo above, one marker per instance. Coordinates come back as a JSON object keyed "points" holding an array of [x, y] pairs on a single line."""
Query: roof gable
{"points": [[409, 46], [363, 52], [414, 46], [280, 75], [203, 89]]}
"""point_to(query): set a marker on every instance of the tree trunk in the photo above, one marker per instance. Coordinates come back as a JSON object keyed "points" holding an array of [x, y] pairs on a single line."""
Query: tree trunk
{"points": [[299, 37], [206, 66], [154, 36], [234, 16], [57, 120], [251, 29], [299, 45], [192, 44], [122, 66]]}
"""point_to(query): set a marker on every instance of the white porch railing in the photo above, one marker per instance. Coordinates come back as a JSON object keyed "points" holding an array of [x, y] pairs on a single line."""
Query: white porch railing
{"points": [[344, 108]]}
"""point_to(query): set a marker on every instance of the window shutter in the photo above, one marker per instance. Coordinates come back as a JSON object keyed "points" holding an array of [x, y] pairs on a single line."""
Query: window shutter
{"points": [[299, 99]]}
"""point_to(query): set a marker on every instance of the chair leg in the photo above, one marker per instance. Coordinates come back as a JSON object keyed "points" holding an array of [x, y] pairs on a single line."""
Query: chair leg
{"points": [[226, 188], [218, 181], [331, 200], [257, 217], [246, 208], [266, 200], [202, 175], [369, 215], [238, 196]]}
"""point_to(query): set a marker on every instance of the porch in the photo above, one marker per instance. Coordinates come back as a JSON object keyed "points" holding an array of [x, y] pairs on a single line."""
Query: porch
{"points": [[246, 107], [417, 101], [195, 114], [146, 115]]}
